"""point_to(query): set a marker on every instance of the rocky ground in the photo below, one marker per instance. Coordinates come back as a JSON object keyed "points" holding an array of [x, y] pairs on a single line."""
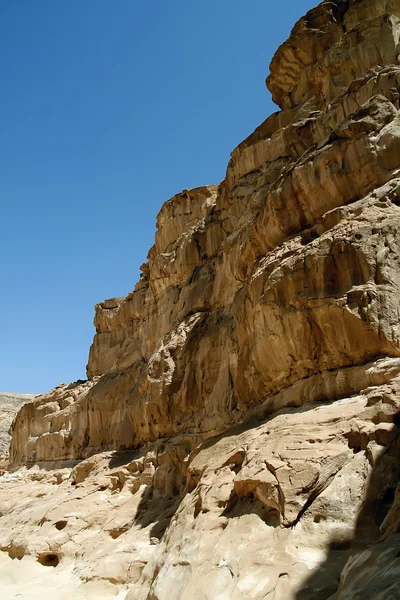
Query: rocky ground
{"points": [[238, 434]]}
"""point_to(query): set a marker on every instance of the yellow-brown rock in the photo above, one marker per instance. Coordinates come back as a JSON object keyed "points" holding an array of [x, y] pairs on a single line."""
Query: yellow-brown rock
{"points": [[10, 404], [238, 433]]}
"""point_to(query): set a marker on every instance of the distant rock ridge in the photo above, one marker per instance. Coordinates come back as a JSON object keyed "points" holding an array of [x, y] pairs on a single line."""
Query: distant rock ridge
{"points": [[10, 403], [240, 417]]}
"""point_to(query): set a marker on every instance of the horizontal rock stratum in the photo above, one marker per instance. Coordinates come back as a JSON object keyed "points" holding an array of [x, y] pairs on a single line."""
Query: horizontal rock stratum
{"points": [[237, 437]]}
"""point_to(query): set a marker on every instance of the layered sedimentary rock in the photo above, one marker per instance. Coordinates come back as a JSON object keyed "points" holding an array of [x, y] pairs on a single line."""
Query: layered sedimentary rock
{"points": [[237, 436]]}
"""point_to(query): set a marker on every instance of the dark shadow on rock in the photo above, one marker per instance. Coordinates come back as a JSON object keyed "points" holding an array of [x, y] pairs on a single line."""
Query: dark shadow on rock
{"points": [[157, 509], [160, 500], [75, 384], [123, 457], [250, 505], [325, 583]]}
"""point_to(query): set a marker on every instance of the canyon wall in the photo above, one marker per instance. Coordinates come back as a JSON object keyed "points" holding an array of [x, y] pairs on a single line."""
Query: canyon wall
{"points": [[10, 403], [237, 436]]}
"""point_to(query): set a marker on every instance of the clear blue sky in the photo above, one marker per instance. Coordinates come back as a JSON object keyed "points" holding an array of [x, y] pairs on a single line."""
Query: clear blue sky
{"points": [[108, 108]]}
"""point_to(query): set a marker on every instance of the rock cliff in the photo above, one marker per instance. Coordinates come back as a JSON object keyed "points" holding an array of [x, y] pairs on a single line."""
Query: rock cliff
{"points": [[237, 436], [10, 403]]}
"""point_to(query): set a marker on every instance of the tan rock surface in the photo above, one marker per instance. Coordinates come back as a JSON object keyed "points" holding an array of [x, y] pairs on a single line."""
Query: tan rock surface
{"points": [[166, 521], [10, 404], [238, 434]]}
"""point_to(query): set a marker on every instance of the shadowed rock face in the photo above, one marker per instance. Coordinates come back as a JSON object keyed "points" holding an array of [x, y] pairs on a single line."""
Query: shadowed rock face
{"points": [[238, 433]]}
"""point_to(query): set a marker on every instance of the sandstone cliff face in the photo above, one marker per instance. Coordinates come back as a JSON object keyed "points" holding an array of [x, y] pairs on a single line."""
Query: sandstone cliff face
{"points": [[237, 436], [10, 404]]}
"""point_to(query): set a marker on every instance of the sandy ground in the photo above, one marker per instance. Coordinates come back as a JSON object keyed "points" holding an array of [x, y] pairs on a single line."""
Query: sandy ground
{"points": [[26, 579]]}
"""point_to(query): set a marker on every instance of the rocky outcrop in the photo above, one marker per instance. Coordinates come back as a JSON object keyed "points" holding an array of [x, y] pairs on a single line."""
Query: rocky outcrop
{"points": [[250, 513], [238, 433], [10, 404]]}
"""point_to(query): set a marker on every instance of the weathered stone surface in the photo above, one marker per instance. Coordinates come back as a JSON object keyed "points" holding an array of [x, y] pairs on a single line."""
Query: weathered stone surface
{"points": [[128, 329], [179, 516], [10, 404], [238, 433], [331, 46]]}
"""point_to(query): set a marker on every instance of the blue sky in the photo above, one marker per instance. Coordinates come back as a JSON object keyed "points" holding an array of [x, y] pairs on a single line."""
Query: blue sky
{"points": [[108, 108]]}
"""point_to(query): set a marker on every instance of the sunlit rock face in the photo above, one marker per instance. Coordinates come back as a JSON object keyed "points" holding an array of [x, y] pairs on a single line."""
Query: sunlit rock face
{"points": [[237, 436], [10, 403]]}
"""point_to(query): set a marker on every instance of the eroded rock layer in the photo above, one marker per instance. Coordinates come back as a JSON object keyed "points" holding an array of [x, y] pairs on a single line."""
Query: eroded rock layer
{"points": [[237, 436], [10, 403]]}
